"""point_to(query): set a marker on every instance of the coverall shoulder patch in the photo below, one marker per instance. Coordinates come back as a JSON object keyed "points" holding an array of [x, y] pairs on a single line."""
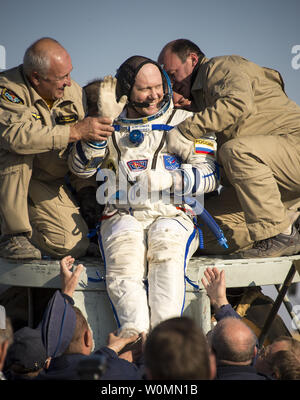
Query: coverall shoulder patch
{"points": [[66, 119], [10, 96], [203, 146], [137, 165], [171, 162], [36, 116]]}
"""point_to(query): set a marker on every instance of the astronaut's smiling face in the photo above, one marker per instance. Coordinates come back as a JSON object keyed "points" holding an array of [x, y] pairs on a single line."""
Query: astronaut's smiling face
{"points": [[148, 87]]}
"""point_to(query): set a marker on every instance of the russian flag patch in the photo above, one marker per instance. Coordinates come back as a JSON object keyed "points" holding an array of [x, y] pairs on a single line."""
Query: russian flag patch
{"points": [[203, 146]]}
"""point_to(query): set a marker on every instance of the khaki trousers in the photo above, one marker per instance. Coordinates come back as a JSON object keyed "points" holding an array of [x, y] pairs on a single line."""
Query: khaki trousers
{"points": [[265, 174], [46, 210], [227, 212]]}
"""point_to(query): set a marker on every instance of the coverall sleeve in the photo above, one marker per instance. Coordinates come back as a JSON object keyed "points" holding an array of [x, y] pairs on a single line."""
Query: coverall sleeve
{"points": [[228, 94], [20, 133]]}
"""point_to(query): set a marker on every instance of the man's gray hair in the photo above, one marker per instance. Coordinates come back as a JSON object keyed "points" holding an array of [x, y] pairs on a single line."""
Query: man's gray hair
{"points": [[36, 61]]}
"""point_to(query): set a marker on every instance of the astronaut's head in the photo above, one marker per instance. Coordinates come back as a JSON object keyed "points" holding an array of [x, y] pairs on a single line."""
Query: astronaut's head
{"points": [[145, 84]]}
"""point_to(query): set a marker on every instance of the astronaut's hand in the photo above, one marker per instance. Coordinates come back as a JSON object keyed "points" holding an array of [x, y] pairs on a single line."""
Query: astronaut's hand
{"points": [[153, 181], [107, 102]]}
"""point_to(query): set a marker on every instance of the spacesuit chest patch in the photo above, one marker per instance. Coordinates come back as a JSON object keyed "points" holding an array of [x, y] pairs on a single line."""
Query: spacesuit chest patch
{"points": [[172, 162], [137, 165], [204, 147]]}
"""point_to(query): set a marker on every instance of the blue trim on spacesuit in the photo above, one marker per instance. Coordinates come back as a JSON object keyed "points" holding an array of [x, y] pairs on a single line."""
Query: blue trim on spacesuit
{"points": [[190, 239], [80, 152]]}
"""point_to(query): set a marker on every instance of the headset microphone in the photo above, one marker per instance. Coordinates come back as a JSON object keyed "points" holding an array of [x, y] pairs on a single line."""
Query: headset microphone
{"points": [[144, 104], [136, 104]]}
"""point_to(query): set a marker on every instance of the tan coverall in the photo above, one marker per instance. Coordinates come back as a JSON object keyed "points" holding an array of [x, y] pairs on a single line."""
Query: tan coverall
{"points": [[258, 134], [34, 197]]}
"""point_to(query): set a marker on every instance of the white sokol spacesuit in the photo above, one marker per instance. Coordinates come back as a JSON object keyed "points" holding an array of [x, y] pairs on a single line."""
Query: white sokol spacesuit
{"points": [[147, 240]]}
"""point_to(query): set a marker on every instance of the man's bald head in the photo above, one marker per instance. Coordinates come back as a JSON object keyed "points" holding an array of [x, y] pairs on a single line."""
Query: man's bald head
{"points": [[233, 341], [41, 54], [48, 66]]}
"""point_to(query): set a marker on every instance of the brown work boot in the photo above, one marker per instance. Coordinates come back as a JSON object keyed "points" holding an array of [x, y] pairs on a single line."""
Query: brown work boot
{"points": [[18, 247], [276, 246]]}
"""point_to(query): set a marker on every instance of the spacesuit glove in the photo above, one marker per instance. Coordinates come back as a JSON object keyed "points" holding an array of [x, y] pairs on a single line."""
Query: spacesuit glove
{"points": [[107, 102], [183, 180], [153, 181]]}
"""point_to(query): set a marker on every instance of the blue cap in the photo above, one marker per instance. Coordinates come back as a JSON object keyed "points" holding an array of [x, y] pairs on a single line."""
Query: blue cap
{"points": [[58, 325]]}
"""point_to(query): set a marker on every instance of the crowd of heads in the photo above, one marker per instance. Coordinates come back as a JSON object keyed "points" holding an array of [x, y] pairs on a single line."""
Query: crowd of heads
{"points": [[176, 349]]}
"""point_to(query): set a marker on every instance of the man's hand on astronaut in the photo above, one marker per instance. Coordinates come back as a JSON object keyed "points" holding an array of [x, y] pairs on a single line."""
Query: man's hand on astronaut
{"points": [[181, 102], [93, 129], [117, 343], [107, 102]]}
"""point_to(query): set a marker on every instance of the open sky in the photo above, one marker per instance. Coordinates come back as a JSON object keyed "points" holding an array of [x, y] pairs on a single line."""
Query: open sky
{"points": [[100, 34]]}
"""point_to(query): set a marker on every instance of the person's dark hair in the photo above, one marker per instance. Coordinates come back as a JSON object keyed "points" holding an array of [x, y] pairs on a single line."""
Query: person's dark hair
{"points": [[293, 344], [81, 326], [91, 90], [285, 365], [27, 353], [183, 48], [177, 349]]}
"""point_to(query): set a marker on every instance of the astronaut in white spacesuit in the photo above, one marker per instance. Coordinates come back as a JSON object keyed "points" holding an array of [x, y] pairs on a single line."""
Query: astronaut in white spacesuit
{"points": [[147, 232]]}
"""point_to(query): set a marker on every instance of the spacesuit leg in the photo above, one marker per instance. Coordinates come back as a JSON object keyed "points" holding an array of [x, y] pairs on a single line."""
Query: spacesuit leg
{"points": [[171, 243], [15, 175], [123, 248]]}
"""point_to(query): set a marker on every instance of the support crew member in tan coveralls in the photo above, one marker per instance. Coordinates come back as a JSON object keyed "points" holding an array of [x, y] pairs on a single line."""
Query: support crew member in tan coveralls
{"points": [[41, 111], [258, 134]]}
